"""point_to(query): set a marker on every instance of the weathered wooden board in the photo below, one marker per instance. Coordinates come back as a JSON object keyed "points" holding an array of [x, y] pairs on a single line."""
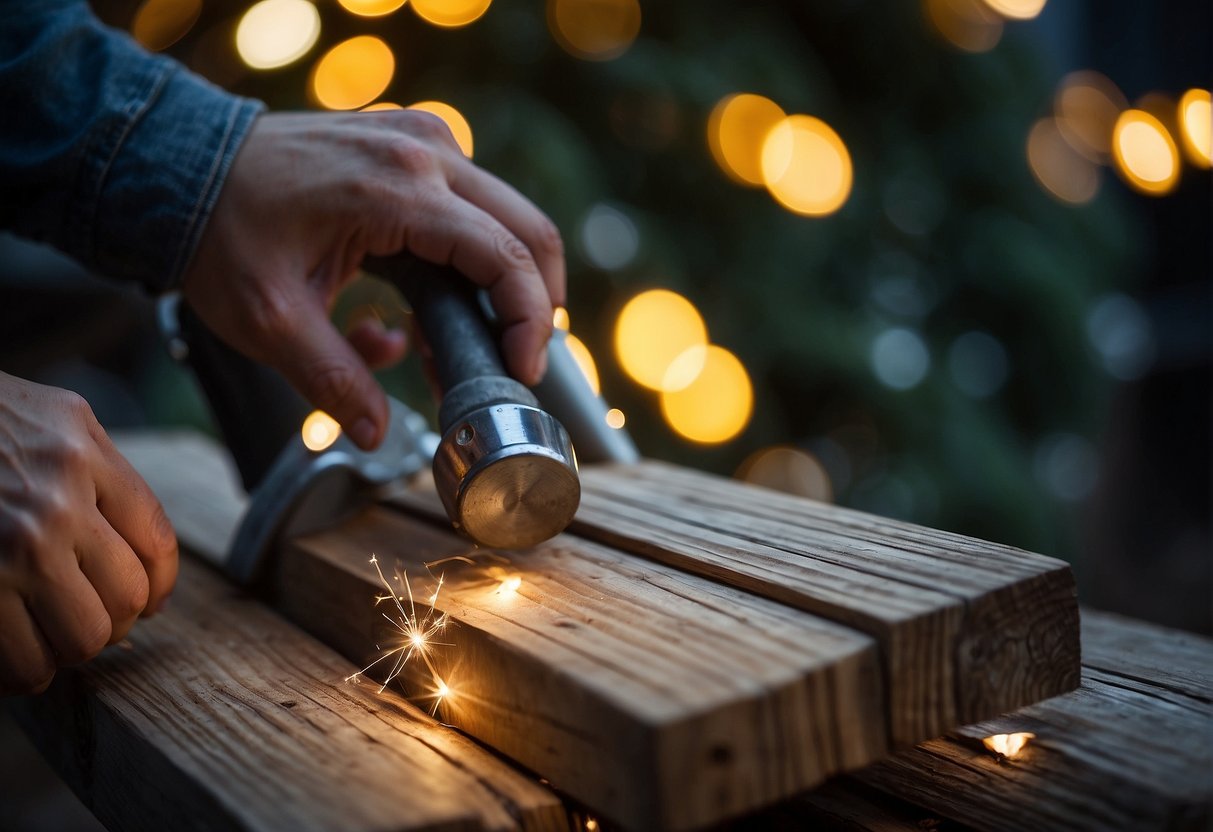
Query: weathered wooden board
{"points": [[218, 714], [1131, 749], [968, 629], [660, 699]]}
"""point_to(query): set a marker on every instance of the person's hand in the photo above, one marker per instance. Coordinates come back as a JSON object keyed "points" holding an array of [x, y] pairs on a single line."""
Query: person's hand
{"points": [[85, 546], [309, 196]]}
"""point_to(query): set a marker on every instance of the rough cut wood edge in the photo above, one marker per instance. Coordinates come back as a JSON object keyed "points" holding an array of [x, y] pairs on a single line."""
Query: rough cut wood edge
{"points": [[221, 715], [1131, 749], [968, 629], [661, 700]]}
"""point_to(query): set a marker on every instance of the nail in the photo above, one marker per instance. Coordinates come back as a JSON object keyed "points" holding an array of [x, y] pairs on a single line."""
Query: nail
{"points": [[363, 433]]}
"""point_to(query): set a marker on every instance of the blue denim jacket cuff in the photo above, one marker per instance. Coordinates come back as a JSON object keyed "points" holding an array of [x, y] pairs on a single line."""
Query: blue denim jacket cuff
{"points": [[152, 178]]}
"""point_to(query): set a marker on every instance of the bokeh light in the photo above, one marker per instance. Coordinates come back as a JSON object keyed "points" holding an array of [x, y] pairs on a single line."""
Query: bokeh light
{"points": [[319, 430], [158, 24], [1017, 9], [737, 128], [806, 167], [615, 418], [1067, 465], [594, 30], [900, 358], [1145, 153], [1087, 105], [1121, 333], [978, 364], [788, 469], [276, 33], [717, 405], [1196, 126], [353, 73], [654, 329], [609, 239], [454, 120], [560, 318], [450, 14], [381, 106], [581, 354], [1058, 167], [969, 25], [371, 8]]}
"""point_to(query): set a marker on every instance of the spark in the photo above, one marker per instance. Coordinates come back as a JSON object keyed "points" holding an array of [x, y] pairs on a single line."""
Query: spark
{"points": [[417, 633], [509, 585], [1008, 745]]}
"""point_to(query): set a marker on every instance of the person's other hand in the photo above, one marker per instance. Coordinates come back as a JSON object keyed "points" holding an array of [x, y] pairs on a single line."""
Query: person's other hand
{"points": [[85, 546], [310, 195]]}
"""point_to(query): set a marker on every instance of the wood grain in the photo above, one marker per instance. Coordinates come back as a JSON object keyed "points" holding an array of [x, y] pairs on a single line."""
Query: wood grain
{"points": [[219, 714], [1131, 749], [968, 629]]}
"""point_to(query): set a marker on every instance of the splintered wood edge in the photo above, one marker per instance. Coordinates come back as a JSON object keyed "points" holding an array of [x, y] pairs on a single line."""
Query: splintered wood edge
{"points": [[968, 628], [558, 683], [1128, 750], [223, 713]]}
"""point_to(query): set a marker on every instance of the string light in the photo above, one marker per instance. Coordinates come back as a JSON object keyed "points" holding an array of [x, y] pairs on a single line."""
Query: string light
{"points": [[717, 405], [450, 14], [1146, 155], [654, 329], [594, 30], [737, 128], [969, 25], [1058, 167], [1196, 127], [371, 8], [353, 73], [158, 24], [319, 430], [560, 318], [615, 418], [453, 119], [806, 166], [1087, 105], [275, 33], [1017, 9]]}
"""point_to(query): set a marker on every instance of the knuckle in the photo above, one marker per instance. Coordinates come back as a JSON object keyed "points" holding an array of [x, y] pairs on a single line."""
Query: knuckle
{"points": [[514, 252], [134, 596], [162, 536], [413, 157], [334, 382], [87, 641]]}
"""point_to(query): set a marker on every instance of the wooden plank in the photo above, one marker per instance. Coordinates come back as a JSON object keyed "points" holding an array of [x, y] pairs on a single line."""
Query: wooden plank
{"points": [[1131, 749], [659, 699], [968, 629], [218, 714]]}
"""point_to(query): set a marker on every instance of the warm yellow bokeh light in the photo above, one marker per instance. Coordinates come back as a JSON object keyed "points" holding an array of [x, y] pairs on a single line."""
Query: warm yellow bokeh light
{"points": [[654, 328], [787, 469], [320, 430], [450, 14], [1058, 167], [581, 354], [560, 318], [371, 8], [1145, 153], [717, 405], [353, 73], [275, 33], [1196, 126], [158, 24], [806, 167], [966, 24], [737, 128], [1017, 9], [454, 120], [615, 418], [1087, 105], [381, 106], [594, 30]]}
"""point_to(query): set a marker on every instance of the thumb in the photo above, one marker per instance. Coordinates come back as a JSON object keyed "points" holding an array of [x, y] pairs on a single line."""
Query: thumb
{"points": [[324, 367]]}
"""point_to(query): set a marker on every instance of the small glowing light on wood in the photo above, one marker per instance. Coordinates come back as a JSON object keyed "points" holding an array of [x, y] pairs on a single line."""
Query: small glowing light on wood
{"points": [[1087, 105], [1058, 167], [560, 318], [371, 8], [1146, 155], [1196, 127], [594, 30], [442, 690], [737, 128], [615, 418], [158, 24], [585, 361], [509, 585], [717, 405], [969, 25], [353, 73], [1008, 745], [381, 106], [454, 120], [275, 33], [591, 825], [450, 14], [1017, 9], [320, 430], [806, 166], [654, 329]]}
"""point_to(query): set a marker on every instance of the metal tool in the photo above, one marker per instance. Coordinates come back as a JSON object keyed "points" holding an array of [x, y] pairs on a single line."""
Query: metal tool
{"points": [[505, 468]]}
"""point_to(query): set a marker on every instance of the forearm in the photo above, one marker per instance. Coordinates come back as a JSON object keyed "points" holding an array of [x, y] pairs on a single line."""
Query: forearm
{"points": [[110, 154]]}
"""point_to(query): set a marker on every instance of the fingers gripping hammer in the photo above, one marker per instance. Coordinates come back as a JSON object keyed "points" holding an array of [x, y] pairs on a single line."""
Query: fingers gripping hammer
{"points": [[504, 468]]}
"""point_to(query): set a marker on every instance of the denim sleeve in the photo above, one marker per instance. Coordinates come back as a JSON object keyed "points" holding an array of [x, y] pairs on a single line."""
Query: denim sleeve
{"points": [[109, 153]]}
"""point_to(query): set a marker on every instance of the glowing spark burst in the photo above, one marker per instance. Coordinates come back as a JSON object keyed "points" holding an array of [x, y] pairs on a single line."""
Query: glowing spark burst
{"points": [[417, 635], [509, 585], [1008, 745]]}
